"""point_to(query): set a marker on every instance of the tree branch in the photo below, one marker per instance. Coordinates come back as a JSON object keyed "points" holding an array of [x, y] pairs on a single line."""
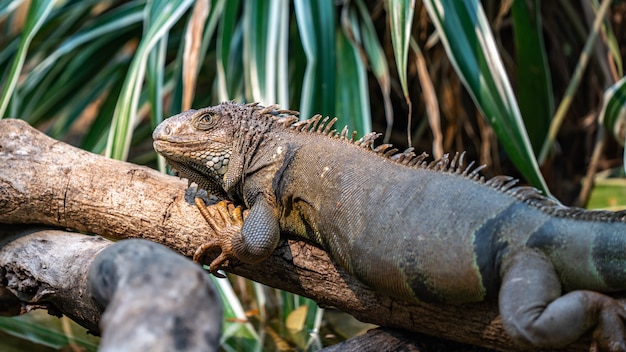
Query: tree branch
{"points": [[142, 285], [48, 182]]}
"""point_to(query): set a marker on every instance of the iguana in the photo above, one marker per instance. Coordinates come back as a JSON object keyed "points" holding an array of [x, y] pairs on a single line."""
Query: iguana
{"points": [[416, 230]]}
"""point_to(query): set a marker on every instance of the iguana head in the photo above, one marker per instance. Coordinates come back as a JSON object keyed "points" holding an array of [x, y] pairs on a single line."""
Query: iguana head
{"points": [[199, 145]]}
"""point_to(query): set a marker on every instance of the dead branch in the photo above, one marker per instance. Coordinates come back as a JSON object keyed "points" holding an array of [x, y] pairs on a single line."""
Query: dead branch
{"points": [[143, 286]]}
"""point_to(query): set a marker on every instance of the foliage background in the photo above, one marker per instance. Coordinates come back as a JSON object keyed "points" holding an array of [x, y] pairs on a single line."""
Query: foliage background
{"points": [[488, 77]]}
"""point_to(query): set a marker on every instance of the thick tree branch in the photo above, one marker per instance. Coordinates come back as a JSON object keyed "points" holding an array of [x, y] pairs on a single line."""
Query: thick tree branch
{"points": [[48, 182], [143, 286], [48, 268]]}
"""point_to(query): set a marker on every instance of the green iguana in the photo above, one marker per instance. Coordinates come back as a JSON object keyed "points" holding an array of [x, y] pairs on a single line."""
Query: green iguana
{"points": [[407, 228]]}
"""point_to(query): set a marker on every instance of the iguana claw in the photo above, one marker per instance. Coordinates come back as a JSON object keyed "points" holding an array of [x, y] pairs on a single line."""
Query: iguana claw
{"points": [[226, 221]]}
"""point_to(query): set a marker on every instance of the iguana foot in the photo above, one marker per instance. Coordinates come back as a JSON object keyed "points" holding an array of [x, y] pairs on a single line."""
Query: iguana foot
{"points": [[226, 221], [610, 334]]}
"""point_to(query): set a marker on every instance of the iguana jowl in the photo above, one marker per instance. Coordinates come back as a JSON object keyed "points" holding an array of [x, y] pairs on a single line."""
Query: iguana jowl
{"points": [[414, 230]]}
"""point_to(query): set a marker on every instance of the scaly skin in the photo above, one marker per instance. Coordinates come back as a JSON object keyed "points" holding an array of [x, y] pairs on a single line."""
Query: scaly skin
{"points": [[409, 229]]}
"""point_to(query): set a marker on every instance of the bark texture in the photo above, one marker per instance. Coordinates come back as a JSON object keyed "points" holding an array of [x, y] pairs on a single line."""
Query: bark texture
{"points": [[48, 182]]}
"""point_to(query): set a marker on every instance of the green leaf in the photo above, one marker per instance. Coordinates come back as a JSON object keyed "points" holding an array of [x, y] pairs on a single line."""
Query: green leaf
{"points": [[401, 20], [534, 86], [237, 331], [161, 15], [38, 327], [265, 51], [377, 62], [613, 114], [37, 14], [111, 23], [467, 38], [353, 103], [316, 25], [71, 73], [228, 79], [154, 80], [96, 137]]}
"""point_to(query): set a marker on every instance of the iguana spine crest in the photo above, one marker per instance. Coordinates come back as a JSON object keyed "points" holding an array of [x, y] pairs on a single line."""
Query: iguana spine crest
{"points": [[507, 184]]}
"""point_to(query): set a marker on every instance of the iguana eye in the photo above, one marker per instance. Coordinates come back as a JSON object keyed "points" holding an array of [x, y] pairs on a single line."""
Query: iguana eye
{"points": [[204, 121]]}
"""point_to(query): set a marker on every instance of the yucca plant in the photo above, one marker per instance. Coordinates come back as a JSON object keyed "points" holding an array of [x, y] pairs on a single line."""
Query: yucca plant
{"points": [[102, 74]]}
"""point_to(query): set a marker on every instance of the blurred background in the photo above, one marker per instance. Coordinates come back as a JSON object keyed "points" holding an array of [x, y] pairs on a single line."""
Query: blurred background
{"points": [[533, 89]]}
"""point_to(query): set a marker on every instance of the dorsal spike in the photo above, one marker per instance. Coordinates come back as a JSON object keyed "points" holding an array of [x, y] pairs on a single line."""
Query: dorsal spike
{"points": [[287, 120], [418, 159], [381, 148], [344, 133], [268, 109], [474, 174], [328, 129], [468, 168], [440, 164], [390, 152], [498, 181], [322, 124], [510, 184], [286, 112], [461, 163], [405, 157], [299, 125], [457, 162], [366, 141], [313, 122]]}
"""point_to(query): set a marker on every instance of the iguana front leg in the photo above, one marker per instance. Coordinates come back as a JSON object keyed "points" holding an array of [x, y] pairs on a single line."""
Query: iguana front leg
{"points": [[536, 315], [249, 241]]}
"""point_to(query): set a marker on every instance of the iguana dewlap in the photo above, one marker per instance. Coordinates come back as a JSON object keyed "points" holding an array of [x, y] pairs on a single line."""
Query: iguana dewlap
{"points": [[410, 229]]}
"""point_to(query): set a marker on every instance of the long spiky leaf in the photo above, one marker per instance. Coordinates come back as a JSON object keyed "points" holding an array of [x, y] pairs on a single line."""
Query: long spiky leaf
{"points": [[161, 16], [37, 14]]}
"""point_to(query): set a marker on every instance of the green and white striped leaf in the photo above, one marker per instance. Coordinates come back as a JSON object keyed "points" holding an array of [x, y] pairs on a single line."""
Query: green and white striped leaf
{"points": [[372, 50], [401, 20], [467, 38], [236, 324], [400, 14], [161, 15], [229, 54], [37, 14], [316, 26], [613, 114], [265, 51]]}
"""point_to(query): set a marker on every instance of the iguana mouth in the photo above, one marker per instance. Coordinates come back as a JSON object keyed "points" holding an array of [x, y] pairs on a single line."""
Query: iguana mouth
{"points": [[208, 166], [193, 174], [172, 149]]}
